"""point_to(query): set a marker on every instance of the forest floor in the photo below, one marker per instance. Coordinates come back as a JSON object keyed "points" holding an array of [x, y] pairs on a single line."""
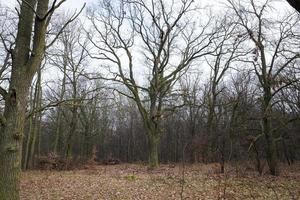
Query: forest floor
{"points": [[128, 181]]}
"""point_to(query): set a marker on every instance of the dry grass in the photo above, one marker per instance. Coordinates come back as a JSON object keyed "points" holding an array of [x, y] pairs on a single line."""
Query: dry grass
{"points": [[136, 182]]}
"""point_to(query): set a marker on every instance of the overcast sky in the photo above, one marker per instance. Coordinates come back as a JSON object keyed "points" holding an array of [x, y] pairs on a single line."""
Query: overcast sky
{"points": [[77, 4], [71, 4]]}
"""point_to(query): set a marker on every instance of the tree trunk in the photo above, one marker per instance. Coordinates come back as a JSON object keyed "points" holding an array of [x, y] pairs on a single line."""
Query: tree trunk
{"points": [[33, 142], [11, 139], [258, 164], [154, 141], [59, 108], [266, 128], [72, 132], [272, 155], [39, 121], [39, 137], [26, 58], [222, 156], [35, 122], [285, 151], [57, 131], [28, 138]]}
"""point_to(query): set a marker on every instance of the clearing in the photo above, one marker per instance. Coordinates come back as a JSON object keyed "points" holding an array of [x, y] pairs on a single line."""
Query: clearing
{"points": [[128, 181]]}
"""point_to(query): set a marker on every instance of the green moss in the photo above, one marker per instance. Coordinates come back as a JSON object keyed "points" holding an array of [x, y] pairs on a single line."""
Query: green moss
{"points": [[2, 120], [12, 148], [130, 177]]}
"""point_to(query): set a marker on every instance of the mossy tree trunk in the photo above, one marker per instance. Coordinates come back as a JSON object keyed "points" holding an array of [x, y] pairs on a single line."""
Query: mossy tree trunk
{"points": [[154, 142], [11, 140], [26, 59]]}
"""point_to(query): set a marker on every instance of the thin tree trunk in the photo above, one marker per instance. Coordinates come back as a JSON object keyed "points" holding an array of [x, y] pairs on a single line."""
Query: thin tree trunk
{"points": [[39, 137], [39, 118], [59, 109], [28, 139], [36, 121], [258, 165], [72, 132]]}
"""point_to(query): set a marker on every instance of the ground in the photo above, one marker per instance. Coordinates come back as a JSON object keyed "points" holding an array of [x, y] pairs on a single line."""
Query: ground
{"points": [[126, 181]]}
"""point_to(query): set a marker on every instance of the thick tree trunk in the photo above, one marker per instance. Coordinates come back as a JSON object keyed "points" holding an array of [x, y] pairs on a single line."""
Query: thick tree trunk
{"points": [[26, 57], [271, 151], [271, 155], [11, 140], [152, 126], [154, 141], [15, 105]]}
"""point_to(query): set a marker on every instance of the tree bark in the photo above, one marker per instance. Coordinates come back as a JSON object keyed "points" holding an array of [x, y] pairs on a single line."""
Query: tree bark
{"points": [[26, 58], [36, 120], [11, 141], [267, 132], [72, 132], [154, 141], [28, 138]]}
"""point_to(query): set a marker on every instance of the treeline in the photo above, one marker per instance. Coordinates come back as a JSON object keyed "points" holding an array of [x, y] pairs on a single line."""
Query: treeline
{"points": [[114, 127]]}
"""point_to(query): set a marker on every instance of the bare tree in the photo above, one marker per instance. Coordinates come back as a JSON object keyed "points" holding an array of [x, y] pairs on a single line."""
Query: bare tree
{"points": [[272, 57], [227, 51], [71, 60], [193, 109], [137, 36]]}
